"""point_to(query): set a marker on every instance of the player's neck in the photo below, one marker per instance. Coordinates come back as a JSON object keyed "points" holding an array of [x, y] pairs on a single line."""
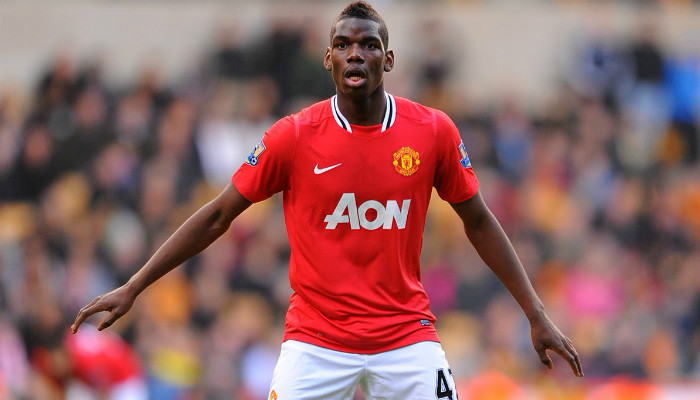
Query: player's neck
{"points": [[367, 111]]}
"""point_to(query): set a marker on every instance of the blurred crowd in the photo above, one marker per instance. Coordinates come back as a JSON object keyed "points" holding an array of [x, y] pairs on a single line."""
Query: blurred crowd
{"points": [[598, 188]]}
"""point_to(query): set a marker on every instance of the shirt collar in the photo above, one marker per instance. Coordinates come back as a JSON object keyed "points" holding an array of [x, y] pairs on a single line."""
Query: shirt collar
{"points": [[387, 121]]}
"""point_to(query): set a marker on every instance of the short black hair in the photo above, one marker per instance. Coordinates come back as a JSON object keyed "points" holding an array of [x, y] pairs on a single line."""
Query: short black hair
{"points": [[363, 10]]}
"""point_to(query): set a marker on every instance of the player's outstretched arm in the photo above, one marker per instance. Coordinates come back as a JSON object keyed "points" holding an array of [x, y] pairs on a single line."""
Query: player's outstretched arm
{"points": [[494, 247], [193, 236]]}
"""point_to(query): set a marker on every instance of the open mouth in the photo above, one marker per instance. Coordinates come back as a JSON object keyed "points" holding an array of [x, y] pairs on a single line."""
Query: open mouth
{"points": [[355, 77]]}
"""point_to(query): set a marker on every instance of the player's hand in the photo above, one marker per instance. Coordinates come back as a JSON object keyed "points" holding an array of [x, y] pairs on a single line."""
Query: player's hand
{"points": [[118, 302], [546, 336]]}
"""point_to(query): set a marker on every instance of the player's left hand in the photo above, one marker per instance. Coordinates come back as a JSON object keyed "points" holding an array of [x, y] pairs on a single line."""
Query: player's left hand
{"points": [[546, 336], [117, 302]]}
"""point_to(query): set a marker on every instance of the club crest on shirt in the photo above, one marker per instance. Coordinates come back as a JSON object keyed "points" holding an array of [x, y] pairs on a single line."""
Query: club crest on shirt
{"points": [[273, 395], [466, 163], [252, 158], [406, 161]]}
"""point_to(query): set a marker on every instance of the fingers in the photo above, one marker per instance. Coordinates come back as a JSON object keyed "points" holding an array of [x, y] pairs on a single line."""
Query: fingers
{"points": [[90, 309], [546, 336], [82, 315], [546, 360], [576, 366], [544, 357], [566, 350], [107, 322]]}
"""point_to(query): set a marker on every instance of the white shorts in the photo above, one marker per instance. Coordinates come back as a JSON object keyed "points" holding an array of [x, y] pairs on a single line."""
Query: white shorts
{"points": [[415, 372]]}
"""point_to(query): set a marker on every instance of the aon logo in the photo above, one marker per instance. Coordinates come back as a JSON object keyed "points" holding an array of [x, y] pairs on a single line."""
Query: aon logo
{"points": [[347, 212]]}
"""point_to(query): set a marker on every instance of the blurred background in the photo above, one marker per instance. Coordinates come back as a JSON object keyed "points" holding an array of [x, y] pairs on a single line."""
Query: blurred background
{"points": [[118, 119]]}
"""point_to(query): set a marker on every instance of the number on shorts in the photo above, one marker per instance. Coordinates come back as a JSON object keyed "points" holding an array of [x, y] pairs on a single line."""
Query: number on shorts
{"points": [[442, 387]]}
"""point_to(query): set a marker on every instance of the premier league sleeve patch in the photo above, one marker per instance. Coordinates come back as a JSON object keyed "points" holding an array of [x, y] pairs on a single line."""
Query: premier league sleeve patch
{"points": [[466, 163], [252, 158]]}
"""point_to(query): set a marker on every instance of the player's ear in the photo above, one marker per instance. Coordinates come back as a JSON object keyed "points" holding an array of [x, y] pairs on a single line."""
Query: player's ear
{"points": [[389, 60], [327, 59]]}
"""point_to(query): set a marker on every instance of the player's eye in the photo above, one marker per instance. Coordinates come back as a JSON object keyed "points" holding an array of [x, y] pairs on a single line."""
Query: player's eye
{"points": [[341, 45]]}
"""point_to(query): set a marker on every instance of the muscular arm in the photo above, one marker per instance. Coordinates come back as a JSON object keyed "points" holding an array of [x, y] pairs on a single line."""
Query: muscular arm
{"points": [[494, 247], [197, 233]]}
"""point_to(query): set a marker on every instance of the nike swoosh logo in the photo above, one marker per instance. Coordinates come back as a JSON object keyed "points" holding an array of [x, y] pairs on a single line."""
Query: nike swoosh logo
{"points": [[318, 170]]}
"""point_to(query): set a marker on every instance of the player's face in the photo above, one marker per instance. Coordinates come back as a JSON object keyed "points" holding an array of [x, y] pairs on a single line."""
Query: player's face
{"points": [[357, 59]]}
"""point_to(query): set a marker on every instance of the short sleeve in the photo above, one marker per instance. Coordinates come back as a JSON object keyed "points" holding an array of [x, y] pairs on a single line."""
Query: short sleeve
{"points": [[267, 169], [455, 180]]}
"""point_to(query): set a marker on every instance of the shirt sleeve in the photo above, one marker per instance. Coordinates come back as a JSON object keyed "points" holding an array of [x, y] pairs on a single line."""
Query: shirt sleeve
{"points": [[455, 180], [267, 169]]}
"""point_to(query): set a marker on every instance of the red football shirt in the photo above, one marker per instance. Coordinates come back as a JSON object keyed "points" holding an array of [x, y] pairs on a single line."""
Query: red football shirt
{"points": [[355, 201]]}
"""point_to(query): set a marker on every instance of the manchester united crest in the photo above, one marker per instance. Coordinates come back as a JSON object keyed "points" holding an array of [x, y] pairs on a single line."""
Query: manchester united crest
{"points": [[406, 161]]}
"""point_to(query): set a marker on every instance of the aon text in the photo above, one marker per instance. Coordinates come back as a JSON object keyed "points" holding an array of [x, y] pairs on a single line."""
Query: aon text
{"points": [[347, 212]]}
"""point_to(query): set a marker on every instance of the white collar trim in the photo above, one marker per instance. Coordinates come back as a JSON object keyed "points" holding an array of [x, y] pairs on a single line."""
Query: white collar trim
{"points": [[387, 121]]}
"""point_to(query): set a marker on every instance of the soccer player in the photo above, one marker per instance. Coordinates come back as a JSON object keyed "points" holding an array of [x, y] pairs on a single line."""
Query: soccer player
{"points": [[356, 172]]}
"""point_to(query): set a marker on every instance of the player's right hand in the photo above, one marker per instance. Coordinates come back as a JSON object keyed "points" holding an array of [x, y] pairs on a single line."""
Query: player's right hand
{"points": [[118, 302]]}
